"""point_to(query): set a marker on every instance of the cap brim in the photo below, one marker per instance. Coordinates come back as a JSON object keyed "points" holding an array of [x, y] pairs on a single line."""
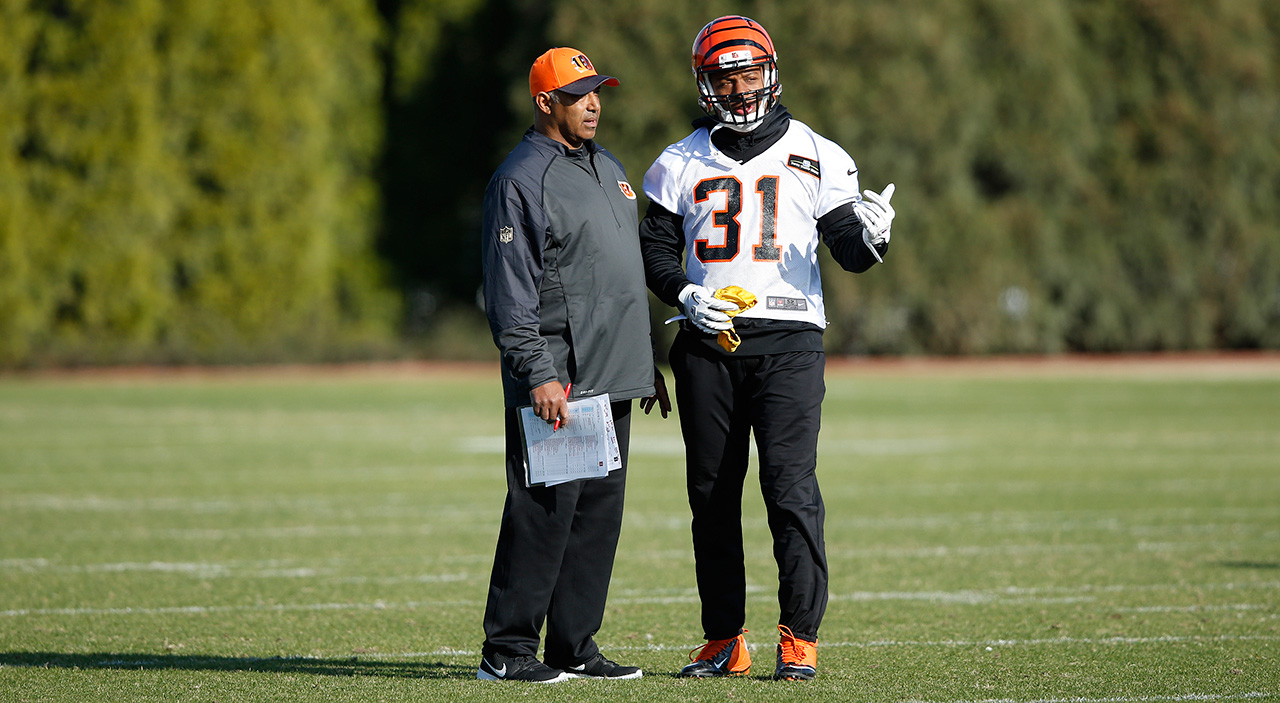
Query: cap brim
{"points": [[582, 86]]}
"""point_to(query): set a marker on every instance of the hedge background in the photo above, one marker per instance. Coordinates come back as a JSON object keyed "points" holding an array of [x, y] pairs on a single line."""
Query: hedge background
{"points": [[203, 180]]}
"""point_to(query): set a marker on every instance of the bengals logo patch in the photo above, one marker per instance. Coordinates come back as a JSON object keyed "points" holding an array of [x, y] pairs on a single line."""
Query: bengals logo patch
{"points": [[626, 190], [806, 164]]}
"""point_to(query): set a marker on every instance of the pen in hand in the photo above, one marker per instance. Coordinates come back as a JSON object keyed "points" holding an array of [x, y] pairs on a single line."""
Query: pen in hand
{"points": [[566, 397]]}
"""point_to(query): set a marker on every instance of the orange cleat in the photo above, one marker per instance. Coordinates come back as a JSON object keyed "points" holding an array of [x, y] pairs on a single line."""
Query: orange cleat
{"points": [[719, 658], [797, 658]]}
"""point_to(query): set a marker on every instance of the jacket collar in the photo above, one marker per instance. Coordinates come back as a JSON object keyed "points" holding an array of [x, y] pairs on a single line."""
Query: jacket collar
{"points": [[555, 147]]}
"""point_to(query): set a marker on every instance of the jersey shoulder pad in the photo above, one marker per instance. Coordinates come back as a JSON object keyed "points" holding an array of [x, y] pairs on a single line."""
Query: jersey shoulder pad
{"points": [[831, 155], [695, 146], [838, 182], [664, 181]]}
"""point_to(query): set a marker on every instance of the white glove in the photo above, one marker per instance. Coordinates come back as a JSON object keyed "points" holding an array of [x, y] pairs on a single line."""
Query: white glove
{"points": [[877, 217], [704, 310]]}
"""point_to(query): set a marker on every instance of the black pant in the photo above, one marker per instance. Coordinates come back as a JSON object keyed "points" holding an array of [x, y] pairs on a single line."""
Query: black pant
{"points": [[722, 400], [554, 556]]}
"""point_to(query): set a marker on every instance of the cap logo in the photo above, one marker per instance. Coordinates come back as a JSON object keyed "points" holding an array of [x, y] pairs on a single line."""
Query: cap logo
{"points": [[581, 63], [506, 234]]}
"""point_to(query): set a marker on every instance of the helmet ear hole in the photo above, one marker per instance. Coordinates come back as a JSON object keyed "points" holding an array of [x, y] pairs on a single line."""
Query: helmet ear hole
{"points": [[728, 43]]}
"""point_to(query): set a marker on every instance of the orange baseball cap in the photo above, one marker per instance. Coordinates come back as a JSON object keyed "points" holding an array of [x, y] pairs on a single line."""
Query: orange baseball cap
{"points": [[565, 69]]}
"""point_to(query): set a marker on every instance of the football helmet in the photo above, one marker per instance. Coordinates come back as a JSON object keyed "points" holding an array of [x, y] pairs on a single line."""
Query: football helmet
{"points": [[732, 42]]}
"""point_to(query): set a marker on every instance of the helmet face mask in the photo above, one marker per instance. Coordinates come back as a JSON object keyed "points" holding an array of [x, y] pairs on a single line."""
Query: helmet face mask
{"points": [[742, 111], [730, 43]]}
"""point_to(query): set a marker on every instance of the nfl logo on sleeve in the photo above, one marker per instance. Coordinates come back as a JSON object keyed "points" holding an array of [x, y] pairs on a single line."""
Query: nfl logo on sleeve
{"points": [[506, 234]]}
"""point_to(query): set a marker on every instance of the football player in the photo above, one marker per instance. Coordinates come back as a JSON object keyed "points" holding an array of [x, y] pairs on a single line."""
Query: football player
{"points": [[743, 201]]}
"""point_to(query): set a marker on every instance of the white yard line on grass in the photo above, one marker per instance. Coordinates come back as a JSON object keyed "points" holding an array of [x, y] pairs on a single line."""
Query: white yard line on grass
{"points": [[1014, 549], [1240, 533], [1189, 608], [1169, 520], [394, 530], [272, 568], [332, 572], [1127, 587], [1236, 524], [1010, 596], [206, 609]]}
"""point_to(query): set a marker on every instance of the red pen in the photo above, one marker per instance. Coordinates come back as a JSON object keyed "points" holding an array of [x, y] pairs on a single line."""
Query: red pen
{"points": [[566, 397]]}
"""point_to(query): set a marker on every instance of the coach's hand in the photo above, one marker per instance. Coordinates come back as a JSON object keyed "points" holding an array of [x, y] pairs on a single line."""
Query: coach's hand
{"points": [[704, 310], [549, 402], [659, 396], [877, 218]]}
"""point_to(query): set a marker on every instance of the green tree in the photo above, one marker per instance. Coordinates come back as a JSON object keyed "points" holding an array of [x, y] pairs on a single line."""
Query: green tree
{"points": [[189, 180], [450, 67], [202, 180]]}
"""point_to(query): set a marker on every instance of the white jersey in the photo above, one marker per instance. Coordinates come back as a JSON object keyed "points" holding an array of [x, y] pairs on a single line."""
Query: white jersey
{"points": [[755, 225]]}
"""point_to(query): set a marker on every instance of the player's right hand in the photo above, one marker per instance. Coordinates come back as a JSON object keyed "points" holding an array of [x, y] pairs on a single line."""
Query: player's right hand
{"points": [[704, 310]]}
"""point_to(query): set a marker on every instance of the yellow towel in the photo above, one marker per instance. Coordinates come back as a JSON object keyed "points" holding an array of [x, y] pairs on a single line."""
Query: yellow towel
{"points": [[745, 300]]}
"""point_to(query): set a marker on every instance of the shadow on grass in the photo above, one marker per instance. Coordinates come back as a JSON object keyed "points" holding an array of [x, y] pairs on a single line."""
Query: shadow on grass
{"points": [[1250, 564], [295, 665]]}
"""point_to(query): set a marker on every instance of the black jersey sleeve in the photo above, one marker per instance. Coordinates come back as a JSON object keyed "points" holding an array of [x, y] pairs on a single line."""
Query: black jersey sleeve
{"points": [[662, 248], [841, 230]]}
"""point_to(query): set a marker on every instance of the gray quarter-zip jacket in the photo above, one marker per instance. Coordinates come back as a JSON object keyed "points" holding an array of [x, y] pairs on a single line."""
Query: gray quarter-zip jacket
{"points": [[564, 283]]}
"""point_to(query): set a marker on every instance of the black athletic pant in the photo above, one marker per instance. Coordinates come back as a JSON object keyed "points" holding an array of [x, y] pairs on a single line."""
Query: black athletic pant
{"points": [[723, 399], [554, 556]]}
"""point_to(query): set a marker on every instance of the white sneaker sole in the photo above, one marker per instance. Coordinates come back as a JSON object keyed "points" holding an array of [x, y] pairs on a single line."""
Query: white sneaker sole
{"points": [[635, 675]]}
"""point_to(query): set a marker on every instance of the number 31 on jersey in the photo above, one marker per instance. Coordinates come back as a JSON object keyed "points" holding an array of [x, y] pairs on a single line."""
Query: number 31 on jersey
{"points": [[727, 219]]}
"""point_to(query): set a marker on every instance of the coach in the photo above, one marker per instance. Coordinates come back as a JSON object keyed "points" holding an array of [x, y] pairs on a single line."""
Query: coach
{"points": [[565, 296]]}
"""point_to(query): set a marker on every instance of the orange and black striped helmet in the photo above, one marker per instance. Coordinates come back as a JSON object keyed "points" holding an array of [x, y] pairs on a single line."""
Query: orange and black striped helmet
{"points": [[728, 43]]}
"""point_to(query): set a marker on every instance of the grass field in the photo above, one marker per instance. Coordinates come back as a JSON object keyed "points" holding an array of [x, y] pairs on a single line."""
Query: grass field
{"points": [[1104, 534]]}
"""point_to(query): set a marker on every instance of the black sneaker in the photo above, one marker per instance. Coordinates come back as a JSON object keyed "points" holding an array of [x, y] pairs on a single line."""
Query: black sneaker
{"points": [[496, 667], [599, 667]]}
